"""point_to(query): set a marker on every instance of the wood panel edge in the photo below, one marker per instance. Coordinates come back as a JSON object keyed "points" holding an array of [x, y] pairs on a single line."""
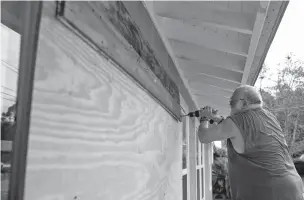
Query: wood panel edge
{"points": [[256, 69], [74, 20]]}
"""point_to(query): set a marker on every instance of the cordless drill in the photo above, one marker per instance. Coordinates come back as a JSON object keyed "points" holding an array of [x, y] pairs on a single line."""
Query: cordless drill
{"points": [[197, 114]]}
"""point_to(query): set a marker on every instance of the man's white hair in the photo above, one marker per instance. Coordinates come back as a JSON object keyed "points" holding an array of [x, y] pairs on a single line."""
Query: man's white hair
{"points": [[251, 94]]}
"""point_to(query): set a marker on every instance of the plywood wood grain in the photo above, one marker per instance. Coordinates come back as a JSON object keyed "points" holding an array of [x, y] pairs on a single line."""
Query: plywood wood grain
{"points": [[134, 23], [94, 133], [93, 21]]}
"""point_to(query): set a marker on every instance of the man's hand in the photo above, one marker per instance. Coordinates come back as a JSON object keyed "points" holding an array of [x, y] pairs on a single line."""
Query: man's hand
{"points": [[209, 113]]}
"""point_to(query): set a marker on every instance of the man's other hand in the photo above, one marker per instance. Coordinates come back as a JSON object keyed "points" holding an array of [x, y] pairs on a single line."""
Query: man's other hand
{"points": [[208, 112]]}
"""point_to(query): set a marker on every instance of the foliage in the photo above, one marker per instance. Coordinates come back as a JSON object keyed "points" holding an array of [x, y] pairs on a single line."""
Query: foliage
{"points": [[286, 100], [8, 123], [220, 172], [220, 167]]}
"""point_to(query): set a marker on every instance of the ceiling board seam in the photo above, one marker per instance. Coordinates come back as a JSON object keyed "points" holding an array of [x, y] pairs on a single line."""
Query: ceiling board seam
{"points": [[220, 88], [208, 63], [217, 77], [213, 24], [208, 47]]}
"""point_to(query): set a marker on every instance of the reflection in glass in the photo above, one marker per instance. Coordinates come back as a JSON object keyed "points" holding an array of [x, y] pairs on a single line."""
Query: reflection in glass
{"points": [[10, 47]]}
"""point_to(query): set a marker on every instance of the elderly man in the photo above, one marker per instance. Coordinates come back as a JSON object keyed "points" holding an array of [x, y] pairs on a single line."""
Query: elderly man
{"points": [[260, 167]]}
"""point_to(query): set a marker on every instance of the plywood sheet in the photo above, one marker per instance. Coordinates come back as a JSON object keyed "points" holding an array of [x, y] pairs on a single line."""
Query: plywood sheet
{"points": [[113, 31], [94, 133]]}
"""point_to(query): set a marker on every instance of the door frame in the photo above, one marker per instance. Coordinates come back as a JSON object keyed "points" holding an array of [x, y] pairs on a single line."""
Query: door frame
{"points": [[29, 25]]}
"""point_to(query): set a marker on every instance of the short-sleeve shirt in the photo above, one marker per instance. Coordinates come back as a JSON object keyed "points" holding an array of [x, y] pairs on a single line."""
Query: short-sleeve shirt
{"points": [[265, 171]]}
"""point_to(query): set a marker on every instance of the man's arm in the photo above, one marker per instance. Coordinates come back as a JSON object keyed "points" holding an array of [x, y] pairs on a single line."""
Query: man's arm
{"points": [[226, 129]]}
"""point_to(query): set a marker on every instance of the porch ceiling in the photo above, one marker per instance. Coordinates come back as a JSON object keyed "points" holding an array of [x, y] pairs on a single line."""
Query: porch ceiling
{"points": [[216, 45]]}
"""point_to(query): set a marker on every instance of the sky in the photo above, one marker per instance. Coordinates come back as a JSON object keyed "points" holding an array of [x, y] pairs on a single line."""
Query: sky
{"points": [[10, 46], [289, 38]]}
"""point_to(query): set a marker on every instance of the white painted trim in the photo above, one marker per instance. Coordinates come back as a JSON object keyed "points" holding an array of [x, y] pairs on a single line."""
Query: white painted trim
{"points": [[197, 67], [204, 172], [199, 166], [194, 135], [234, 21], [199, 150], [210, 163], [200, 161], [203, 152], [211, 154], [184, 172], [188, 124], [226, 41], [257, 31], [199, 153], [184, 110], [200, 183], [205, 165]]}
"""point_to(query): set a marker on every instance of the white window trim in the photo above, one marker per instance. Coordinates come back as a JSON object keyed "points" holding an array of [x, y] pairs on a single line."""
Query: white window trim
{"points": [[201, 158]]}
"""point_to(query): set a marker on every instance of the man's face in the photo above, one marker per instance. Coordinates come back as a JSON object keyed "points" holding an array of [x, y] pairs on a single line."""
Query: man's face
{"points": [[236, 102]]}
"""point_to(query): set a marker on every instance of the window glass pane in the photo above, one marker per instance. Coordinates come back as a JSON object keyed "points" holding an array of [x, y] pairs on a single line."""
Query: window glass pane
{"points": [[185, 187], [202, 154], [197, 151], [10, 48], [185, 149]]}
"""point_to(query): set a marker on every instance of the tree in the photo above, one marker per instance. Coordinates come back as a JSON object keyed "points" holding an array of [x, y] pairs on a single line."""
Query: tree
{"points": [[8, 123], [263, 75], [286, 98], [290, 96]]}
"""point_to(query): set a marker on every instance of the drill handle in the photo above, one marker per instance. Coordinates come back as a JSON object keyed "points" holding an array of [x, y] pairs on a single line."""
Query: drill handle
{"points": [[197, 113]]}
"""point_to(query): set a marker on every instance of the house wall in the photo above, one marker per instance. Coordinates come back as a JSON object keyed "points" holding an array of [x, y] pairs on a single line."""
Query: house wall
{"points": [[94, 132]]}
